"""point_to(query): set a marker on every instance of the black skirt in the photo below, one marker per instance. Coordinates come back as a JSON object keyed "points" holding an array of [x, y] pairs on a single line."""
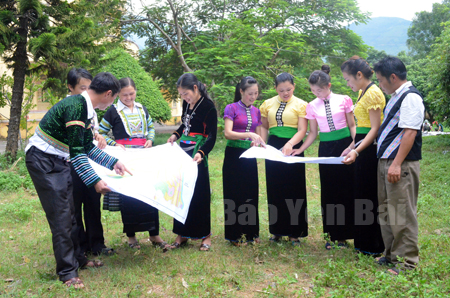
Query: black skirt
{"points": [[138, 216], [286, 195], [198, 221], [368, 237], [337, 192], [240, 196]]}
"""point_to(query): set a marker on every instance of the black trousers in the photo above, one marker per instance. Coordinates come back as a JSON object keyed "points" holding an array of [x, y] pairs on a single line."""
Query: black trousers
{"points": [[53, 182], [87, 202]]}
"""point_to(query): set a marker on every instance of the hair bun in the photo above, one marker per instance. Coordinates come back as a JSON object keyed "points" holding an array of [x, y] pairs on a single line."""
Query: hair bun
{"points": [[326, 69]]}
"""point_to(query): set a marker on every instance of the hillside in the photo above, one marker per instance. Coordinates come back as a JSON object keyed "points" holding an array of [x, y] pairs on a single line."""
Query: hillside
{"points": [[384, 33]]}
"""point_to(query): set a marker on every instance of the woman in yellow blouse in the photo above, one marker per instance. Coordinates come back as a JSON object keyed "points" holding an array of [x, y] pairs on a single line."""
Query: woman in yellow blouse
{"points": [[283, 121], [368, 113]]}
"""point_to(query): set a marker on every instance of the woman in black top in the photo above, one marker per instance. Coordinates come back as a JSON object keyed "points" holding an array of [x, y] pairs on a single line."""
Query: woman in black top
{"points": [[198, 136]]}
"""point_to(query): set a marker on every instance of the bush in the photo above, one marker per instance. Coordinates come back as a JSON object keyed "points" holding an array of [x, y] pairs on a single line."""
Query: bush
{"points": [[121, 64]]}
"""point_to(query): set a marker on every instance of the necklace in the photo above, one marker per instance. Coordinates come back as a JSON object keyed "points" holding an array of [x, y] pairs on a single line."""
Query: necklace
{"points": [[187, 117]]}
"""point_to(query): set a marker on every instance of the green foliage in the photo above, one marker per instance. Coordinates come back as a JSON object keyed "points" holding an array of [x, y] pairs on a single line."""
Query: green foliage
{"points": [[436, 76], [426, 27], [223, 41], [122, 64]]}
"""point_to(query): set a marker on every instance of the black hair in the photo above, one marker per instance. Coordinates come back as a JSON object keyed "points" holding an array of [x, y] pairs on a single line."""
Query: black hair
{"points": [[103, 82], [245, 83], [355, 64], [75, 74], [125, 82], [391, 65], [189, 80], [320, 78], [284, 77]]}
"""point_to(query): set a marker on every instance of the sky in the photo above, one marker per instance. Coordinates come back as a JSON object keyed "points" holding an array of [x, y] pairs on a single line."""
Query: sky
{"points": [[404, 9]]}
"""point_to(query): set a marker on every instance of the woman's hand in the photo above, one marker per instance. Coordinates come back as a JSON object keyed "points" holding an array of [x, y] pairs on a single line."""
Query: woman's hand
{"points": [[295, 152], [173, 138], [101, 141], [148, 144], [198, 158], [256, 140], [350, 157], [120, 145], [346, 151], [287, 148]]}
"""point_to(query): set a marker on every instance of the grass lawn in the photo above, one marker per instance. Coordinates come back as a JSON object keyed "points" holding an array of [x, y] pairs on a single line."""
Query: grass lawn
{"points": [[27, 265]]}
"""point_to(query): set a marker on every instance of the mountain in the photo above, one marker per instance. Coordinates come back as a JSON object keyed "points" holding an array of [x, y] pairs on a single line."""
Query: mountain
{"points": [[384, 33]]}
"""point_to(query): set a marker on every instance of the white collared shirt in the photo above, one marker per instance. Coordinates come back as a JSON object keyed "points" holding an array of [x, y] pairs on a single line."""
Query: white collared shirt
{"points": [[127, 110], [412, 110]]}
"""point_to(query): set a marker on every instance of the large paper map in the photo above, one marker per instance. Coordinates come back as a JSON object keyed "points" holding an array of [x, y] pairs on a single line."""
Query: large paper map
{"points": [[163, 176], [276, 155]]}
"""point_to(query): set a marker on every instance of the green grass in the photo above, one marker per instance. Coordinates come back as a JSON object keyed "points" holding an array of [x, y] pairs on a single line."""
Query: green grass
{"points": [[27, 266]]}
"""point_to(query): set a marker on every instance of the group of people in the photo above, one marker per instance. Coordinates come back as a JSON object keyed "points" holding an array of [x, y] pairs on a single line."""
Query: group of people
{"points": [[429, 127], [371, 199], [381, 145]]}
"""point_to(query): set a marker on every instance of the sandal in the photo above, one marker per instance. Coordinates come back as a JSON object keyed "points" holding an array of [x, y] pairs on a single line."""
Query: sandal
{"points": [[383, 261], [238, 244], [106, 251], [135, 245], [206, 247], [76, 282], [92, 264], [176, 245], [296, 242], [328, 246], [161, 244], [393, 271], [342, 245], [275, 239]]}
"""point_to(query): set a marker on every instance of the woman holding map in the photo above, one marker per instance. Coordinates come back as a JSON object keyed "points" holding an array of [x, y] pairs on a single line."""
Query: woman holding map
{"points": [[283, 119], [333, 114], [132, 127], [197, 135], [240, 176], [368, 113]]}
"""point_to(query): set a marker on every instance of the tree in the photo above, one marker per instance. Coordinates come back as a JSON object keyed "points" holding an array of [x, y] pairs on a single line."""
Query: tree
{"points": [[437, 76], [222, 40], [374, 55], [426, 27], [122, 64], [58, 34]]}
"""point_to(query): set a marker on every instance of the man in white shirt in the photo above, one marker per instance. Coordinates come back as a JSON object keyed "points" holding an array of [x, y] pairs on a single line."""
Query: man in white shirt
{"points": [[399, 145]]}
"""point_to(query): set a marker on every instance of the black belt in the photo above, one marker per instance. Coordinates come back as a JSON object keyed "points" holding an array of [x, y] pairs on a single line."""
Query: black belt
{"points": [[38, 151]]}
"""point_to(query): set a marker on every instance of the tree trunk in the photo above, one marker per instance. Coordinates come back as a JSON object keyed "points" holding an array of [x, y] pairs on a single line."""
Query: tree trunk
{"points": [[20, 68]]}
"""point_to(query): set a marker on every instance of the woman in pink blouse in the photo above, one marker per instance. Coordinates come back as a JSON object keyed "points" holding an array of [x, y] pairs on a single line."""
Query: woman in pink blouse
{"points": [[333, 114]]}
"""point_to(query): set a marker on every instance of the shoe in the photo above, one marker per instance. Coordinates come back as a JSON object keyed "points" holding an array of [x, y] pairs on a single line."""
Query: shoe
{"points": [[76, 282], [92, 264], [206, 247]]}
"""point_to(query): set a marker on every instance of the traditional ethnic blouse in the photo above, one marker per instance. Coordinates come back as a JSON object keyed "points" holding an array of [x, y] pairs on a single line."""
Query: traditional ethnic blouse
{"points": [[66, 128], [330, 113], [371, 100], [127, 124], [280, 113], [245, 119], [201, 120]]}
